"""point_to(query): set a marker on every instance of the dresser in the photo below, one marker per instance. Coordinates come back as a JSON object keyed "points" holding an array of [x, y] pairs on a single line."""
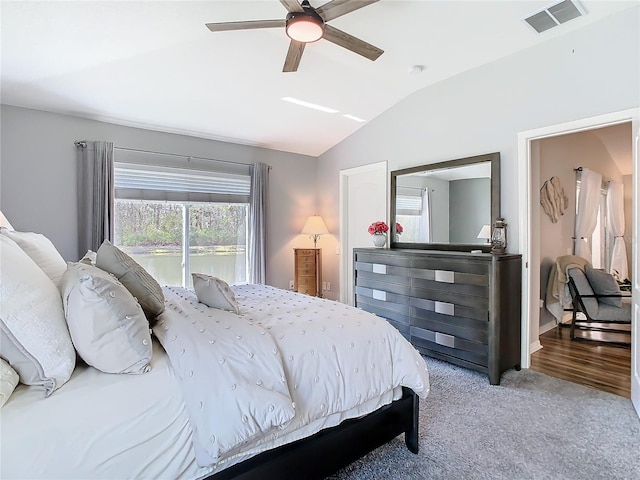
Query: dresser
{"points": [[460, 307], [307, 271]]}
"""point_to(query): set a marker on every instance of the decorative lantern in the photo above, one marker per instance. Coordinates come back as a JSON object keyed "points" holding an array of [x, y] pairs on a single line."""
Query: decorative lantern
{"points": [[499, 237]]}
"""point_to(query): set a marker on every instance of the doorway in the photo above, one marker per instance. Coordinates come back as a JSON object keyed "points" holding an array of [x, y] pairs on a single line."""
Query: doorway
{"points": [[363, 200], [529, 205]]}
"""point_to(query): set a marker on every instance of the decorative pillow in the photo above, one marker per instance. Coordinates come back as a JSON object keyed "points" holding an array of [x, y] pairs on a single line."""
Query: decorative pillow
{"points": [[135, 278], [41, 251], [603, 283], [34, 338], [4, 222], [8, 381], [89, 258], [214, 292], [107, 325]]}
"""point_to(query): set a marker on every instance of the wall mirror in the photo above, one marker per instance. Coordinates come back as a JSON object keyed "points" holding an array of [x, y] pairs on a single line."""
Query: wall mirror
{"points": [[446, 206]]}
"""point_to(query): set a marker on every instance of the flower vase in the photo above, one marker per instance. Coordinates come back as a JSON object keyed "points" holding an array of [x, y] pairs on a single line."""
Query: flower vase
{"points": [[379, 239]]}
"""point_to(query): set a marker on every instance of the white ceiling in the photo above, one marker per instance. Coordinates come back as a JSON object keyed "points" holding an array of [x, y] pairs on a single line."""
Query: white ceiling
{"points": [[154, 64]]}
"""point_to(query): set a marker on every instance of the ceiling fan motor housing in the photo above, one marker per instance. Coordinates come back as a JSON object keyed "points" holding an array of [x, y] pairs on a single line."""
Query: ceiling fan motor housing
{"points": [[305, 26]]}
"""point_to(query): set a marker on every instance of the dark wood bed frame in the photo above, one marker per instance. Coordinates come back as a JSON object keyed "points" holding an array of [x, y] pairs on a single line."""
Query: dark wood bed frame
{"points": [[329, 450]]}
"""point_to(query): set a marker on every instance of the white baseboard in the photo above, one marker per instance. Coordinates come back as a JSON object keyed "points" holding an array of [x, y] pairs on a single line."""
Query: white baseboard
{"points": [[535, 346], [546, 327]]}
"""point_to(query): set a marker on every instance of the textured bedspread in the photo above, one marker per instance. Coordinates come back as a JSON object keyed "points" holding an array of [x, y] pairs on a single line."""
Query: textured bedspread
{"points": [[286, 361]]}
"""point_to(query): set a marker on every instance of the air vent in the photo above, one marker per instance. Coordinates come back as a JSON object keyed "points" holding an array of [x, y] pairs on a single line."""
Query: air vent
{"points": [[555, 15]]}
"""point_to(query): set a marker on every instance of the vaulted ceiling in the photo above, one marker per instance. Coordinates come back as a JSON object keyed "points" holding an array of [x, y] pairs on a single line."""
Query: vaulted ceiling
{"points": [[154, 64]]}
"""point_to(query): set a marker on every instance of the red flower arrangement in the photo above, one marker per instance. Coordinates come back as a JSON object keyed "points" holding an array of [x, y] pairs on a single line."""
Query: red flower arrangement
{"points": [[399, 229], [378, 227]]}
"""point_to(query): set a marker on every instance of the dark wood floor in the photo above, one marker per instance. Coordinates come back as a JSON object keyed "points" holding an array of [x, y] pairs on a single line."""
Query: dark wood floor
{"points": [[594, 364]]}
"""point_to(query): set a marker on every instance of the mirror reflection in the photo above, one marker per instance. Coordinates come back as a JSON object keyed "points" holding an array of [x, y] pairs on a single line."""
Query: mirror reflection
{"points": [[448, 205]]}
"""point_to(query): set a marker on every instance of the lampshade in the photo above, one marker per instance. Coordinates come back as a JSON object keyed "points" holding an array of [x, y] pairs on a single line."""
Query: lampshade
{"points": [[485, 232], [315, 226], [304, 26]]}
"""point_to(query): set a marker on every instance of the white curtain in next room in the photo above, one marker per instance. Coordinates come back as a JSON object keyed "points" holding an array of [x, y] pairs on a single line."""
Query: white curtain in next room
{"points": [[615, 225], [587, 212]]}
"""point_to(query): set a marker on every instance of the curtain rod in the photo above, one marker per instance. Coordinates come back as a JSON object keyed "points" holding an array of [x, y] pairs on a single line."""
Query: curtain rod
{"points": [[83, 144]]}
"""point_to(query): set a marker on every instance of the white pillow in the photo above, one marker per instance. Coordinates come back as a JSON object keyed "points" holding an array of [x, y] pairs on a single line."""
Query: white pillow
{"points": [[41, 251], [4, 222], [8, 381], [214, 292], [133, 276], [34, 336], [107, 325]]}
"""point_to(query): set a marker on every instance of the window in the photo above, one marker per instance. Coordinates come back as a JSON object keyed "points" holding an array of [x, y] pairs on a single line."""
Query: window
{"points": [[175, 221], [413, 213]]}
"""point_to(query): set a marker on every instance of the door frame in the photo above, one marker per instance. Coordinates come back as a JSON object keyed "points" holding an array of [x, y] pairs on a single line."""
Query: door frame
{"points": [[345, 272], [529, 209]]}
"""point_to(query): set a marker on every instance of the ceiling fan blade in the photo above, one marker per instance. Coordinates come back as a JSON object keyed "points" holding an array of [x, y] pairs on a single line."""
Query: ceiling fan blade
{"points": [[221, 27], [351, 43], [293, 56], [337, 8], [292, 5]]}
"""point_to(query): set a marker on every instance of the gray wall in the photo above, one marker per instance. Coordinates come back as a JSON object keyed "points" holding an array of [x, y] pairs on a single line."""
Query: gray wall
{"points": [[38, 178], [469, 209], [582, 74]]}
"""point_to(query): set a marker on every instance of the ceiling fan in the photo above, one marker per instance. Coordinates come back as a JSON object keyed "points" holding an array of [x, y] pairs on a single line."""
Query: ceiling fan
{"points": [[305, 24]]}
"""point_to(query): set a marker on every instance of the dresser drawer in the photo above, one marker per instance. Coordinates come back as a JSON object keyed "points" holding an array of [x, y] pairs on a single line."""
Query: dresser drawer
{"points": [[452, 265], [307, 281], [306, 270], [301, 252], [450, 345], [463, 328], [387, 310], [423, 306], [382, 259], [464, 295], [308, 289]]}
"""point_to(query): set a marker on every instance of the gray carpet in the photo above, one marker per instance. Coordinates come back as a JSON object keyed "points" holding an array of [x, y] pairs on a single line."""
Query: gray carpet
{"points": [[531, 426]]}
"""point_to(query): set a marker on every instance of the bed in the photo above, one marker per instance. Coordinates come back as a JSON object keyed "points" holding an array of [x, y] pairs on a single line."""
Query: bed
{"points": [[246, 381]]}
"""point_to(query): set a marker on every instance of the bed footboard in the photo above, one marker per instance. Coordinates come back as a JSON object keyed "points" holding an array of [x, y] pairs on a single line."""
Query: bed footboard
{"points": [[329, 450]]}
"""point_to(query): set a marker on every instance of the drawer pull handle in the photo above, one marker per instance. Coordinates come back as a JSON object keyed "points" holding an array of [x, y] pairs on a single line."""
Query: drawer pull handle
{"points": [[445, 276], [445, 308], [446, 340], [380, 295], [379, 268]]}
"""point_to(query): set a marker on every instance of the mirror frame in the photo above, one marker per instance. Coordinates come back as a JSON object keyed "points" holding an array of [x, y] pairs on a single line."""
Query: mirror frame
{"points": [[494, 158]]}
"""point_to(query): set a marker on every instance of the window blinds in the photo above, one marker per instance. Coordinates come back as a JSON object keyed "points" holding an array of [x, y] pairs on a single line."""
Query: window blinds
{"points": [[162, 183], [408, 205]]}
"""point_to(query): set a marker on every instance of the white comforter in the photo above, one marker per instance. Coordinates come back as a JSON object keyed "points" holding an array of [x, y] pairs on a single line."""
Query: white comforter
{"points": [[287, 361]]}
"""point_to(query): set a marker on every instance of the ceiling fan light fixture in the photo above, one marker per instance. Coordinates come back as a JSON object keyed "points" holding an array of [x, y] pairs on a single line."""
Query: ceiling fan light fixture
{"points": [[304, 27]]}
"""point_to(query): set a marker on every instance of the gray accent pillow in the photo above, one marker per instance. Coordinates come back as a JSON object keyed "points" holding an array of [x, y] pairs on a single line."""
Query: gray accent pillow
{"points": [[214, 292], [34, 338], [107, 325], [603, 283], [133, 276]]}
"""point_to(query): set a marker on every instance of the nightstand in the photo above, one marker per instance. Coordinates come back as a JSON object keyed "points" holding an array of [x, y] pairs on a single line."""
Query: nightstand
{"points": [[307, 266]]}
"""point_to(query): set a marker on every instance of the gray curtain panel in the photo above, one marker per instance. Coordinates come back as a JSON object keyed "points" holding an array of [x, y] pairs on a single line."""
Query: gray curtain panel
{"points": [[95, 194], [258, 223]]}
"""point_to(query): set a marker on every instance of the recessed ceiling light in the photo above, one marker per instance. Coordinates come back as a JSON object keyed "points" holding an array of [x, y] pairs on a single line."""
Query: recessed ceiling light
{"points": [[302, 103], [353, 117]]}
